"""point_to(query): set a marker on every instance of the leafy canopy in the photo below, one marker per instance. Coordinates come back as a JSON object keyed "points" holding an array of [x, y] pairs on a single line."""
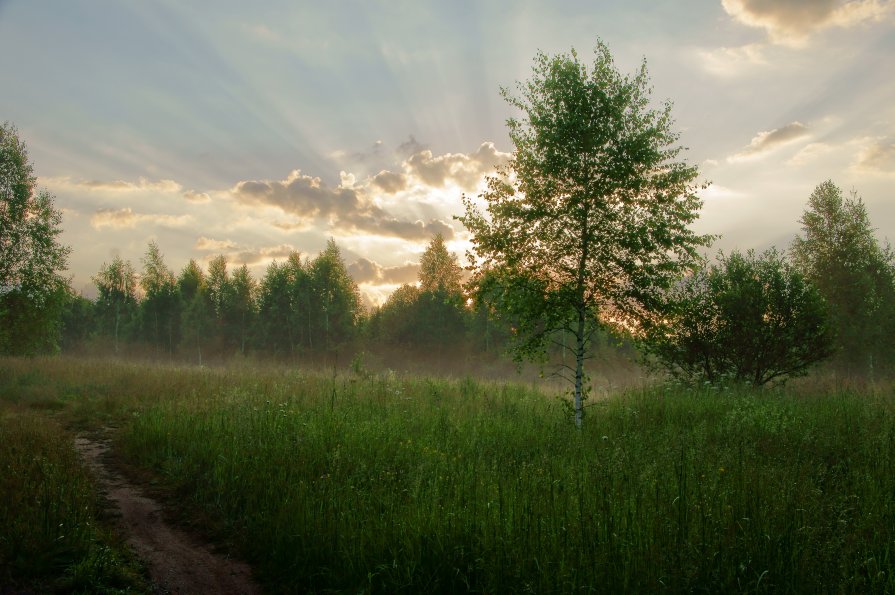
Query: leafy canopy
{"points": [[588, 222], [33, 291], [839, 252], [748, 319]]}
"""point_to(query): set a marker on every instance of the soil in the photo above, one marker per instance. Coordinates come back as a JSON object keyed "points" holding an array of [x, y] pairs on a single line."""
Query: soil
{"points": [[178, 562]]}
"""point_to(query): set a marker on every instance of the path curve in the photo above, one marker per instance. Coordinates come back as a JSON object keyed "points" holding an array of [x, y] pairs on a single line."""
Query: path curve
{"points": [[178, 563]]}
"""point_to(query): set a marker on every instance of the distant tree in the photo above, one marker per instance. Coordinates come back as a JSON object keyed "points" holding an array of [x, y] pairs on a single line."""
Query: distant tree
{"points": [[198, 312], [748, 319], [840, 254], [160, 306], [275, 310], [33, 292], [441, 315], [396, 322], [219, 292], [77, 322], [116, 304], [489, 327], [335, 307], [588, 222], [430, 316], [439, 269], [243, 310]]}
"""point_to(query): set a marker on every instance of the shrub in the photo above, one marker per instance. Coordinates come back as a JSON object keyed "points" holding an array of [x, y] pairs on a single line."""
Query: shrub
{"points": [[751, 319]]}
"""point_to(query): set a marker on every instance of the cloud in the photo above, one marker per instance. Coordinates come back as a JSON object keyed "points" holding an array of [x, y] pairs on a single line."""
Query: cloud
{"points": [[197, 197], [390, 182], [730, 62], [209, 244], [465, 170], [292, 225], [876, 157], [769, 140], [141, 185], [791, 22], [718, 192], [809, 153], [345, 208], [261, 255], [410, 146], [239, 255], [369, 272], [126, 219]]}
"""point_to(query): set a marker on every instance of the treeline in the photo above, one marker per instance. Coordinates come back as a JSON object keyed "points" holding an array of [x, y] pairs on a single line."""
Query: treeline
{"points": [[301, 306]]}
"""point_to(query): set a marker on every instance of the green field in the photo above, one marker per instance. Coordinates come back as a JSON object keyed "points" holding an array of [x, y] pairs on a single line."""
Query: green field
{"points": [[389, 483]]}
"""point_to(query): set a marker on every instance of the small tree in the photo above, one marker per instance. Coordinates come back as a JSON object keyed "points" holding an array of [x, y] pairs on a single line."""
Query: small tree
{"points": [[33, 293], [748, 319], [588, 223]]}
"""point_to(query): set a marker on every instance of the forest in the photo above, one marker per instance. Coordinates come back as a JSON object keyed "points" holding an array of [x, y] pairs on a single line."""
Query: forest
{"points": [[334, 445]]}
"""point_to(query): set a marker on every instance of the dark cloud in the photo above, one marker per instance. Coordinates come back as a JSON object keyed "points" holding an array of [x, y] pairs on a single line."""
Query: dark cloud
{"points": [[878, 157], [248, 256], [126, 218], [390, 182], [410, 147], [212, 245], [367, 271], [141, 185], [345, 208], [771, 139], [416, 230], [792, 20], [466, 170], [193, 196]]}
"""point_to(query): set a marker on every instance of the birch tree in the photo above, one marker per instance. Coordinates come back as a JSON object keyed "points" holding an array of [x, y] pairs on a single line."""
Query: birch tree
{"points": [[588, 223]]}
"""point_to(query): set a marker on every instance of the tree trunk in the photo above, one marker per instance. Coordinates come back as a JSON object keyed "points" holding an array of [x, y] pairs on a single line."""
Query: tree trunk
{"points": [[117, 317], [579, 370]]}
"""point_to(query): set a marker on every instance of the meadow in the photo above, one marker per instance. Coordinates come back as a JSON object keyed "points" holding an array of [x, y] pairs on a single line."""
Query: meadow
{"points": [[363, 482]]}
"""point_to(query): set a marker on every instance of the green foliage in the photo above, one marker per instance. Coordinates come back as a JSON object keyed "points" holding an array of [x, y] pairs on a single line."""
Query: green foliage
{"points": [[588, 222], [432, 316], [439, 269], [116, 305], [284, 299], [243, 311], [748, 319], [77, 322], [32, 290], [198, 313], [160, 308], [840, 254], [335, 308]]}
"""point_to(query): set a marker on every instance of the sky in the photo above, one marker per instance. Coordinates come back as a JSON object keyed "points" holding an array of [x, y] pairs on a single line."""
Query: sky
{"points": [[252, 129]]}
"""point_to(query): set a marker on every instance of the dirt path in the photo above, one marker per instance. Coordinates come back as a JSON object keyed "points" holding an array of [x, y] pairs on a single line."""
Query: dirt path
{"points": [[177, 562]]}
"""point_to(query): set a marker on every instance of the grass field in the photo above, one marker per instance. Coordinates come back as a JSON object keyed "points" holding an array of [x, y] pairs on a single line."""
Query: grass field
{"points": [[384, 483]]}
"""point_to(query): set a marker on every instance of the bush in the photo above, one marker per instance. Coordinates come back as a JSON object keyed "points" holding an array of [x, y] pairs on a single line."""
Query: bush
{"points": [[751, 319]]}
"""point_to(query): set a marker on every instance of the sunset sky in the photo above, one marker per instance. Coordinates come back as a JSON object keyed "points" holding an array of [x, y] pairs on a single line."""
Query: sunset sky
{"points": [[252, 129]]}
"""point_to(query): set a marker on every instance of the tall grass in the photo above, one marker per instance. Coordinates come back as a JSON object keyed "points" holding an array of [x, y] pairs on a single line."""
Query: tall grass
{"points": [[405, 484], [50, 539]]}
